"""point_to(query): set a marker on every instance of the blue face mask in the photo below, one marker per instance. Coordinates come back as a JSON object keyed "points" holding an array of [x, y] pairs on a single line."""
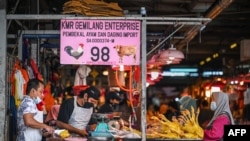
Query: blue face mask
{"points": [[37, 100], [213, 106]]}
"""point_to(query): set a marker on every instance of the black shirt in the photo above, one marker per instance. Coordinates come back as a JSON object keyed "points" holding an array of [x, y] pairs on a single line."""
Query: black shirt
{"points": [[106, 108], [205, 115]]}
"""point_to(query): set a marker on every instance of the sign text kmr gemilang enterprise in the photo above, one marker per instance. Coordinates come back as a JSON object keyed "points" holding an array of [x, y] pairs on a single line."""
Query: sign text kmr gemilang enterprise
{"points": [[101, 26]]}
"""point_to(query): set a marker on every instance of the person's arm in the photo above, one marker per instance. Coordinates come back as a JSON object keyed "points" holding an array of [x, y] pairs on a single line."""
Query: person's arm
{"points": [[31, 122], [70, 128], [92, 124], [216, 131]]}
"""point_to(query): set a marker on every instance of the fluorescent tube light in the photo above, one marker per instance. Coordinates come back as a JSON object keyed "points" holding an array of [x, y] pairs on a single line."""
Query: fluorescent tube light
{"points": [[183, 69], [167, 73]]}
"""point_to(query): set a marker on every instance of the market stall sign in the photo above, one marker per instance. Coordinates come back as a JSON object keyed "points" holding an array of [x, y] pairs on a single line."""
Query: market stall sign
{"points": [[100, 42]]}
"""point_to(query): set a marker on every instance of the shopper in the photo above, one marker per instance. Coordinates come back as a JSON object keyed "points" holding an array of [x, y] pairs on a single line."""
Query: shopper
{"points": [[163, 108], [205, 114], [29, 118], [75, 113], [173, 110], [222, 116], [186, 101]]}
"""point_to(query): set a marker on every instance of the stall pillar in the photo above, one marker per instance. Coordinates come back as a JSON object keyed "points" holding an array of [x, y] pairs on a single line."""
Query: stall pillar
{"points": [[3, 52]]}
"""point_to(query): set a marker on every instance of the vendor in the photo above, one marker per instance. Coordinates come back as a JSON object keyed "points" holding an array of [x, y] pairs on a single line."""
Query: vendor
{"points": [[112, 99], [124, 106], [75, 113]]}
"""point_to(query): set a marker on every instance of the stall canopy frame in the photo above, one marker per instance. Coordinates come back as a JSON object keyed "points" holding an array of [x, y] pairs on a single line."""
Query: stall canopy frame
{"points": [[190, 22]]}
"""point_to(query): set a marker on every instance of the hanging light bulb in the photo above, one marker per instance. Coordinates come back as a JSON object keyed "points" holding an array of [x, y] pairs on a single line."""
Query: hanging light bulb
{"points": [[154, 73], [171, 54], [105, 72]]}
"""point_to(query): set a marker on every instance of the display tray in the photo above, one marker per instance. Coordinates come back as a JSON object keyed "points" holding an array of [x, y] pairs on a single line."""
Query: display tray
{"points": [[123, 139], [137, 139]]}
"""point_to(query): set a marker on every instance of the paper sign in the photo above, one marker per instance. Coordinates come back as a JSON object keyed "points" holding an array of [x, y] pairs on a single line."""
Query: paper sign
{"points": [[100, 42]]}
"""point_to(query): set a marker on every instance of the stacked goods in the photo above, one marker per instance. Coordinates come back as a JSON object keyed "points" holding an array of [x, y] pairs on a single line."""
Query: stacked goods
{"points": [[185, 127], [190, 124], [92, 8]]}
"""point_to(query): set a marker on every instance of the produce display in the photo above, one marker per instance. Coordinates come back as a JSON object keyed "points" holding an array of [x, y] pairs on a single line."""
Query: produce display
{"points": [[62, 133], [185, 126]]}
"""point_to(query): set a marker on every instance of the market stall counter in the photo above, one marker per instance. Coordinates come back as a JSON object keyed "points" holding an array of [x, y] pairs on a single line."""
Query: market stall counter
{"points": [[115, 139], [138, 139]]}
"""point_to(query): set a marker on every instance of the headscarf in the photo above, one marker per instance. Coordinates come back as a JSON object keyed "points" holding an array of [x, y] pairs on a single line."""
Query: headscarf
{"points": [[222, 102]]}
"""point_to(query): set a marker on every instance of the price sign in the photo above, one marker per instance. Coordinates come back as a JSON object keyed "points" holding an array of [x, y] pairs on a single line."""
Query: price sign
{"points": [[100, 42]]}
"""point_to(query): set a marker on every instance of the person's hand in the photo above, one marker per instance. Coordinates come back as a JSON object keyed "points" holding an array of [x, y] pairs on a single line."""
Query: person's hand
{"points": [[92, 127], [116, 114], [122, 123], [50, 130], [125, 123], [46, 134], [84, 133]]}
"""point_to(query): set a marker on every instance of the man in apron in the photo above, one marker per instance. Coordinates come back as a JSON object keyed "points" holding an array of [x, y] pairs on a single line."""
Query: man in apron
{"points": [[29, 119], [75, 113]]}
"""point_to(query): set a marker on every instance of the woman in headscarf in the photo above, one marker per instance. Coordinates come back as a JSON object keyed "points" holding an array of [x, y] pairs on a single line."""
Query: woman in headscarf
{"points": [[222, 116]]}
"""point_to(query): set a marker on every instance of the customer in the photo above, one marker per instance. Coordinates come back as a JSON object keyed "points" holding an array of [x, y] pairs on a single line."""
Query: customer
{"points": [[186, 101], [205, 114], [29, 118], [163, 108], [75, 113], [173, 110], [222, 116]]}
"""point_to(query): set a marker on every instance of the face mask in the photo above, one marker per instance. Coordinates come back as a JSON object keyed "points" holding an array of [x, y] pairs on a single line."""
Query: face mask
{"points": [[37, 100], [213, 105], [114, 105]]}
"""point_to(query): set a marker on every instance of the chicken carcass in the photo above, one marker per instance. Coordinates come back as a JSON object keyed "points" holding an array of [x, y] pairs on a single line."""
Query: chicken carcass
{"points": [[190, 123]]}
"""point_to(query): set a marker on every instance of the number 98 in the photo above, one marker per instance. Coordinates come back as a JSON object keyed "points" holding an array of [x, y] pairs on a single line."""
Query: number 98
{"points": [[102, 54]]}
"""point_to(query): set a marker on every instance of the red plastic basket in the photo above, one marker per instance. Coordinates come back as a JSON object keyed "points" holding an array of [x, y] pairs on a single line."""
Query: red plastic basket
{"points": [[77, 89]]}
